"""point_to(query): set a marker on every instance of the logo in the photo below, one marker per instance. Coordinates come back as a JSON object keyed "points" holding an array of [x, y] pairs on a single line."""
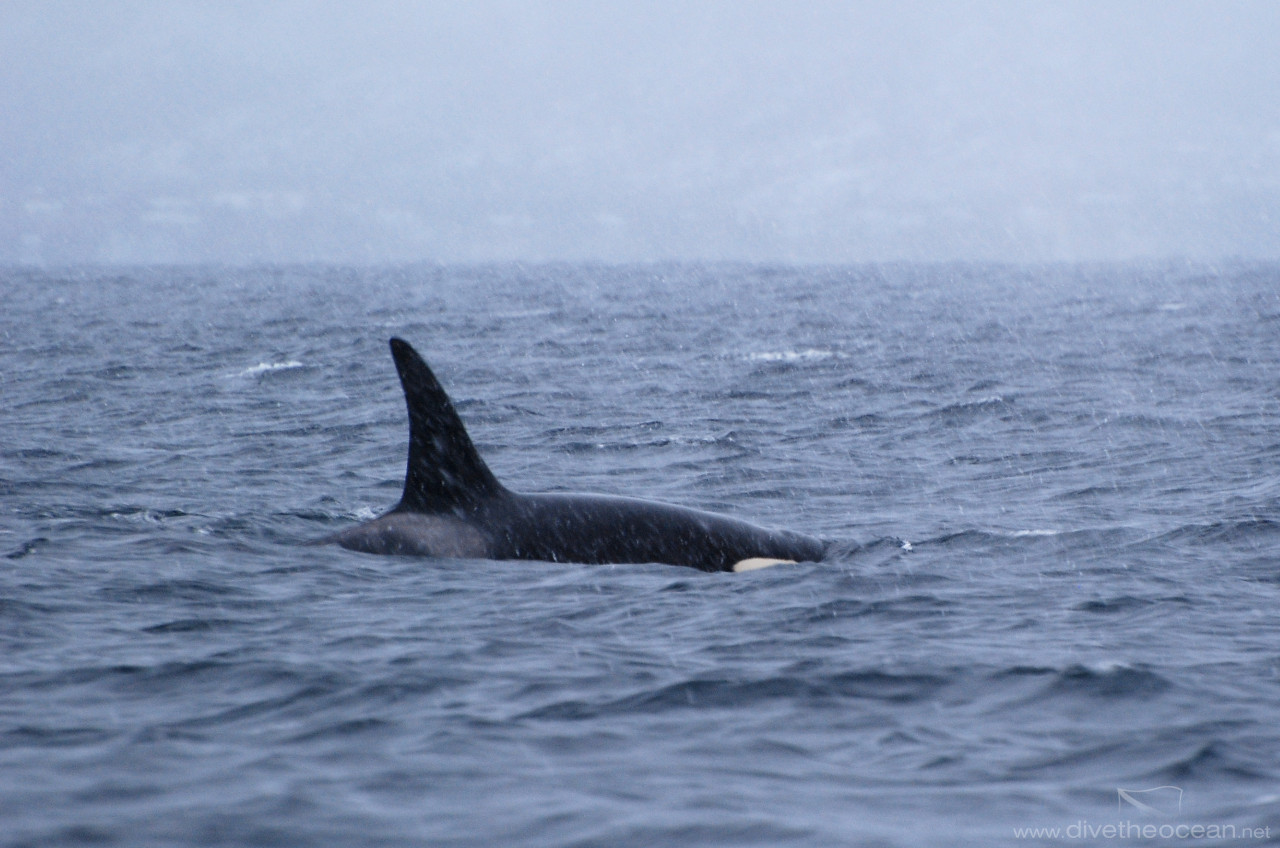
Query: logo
{"points": [[1163, 801]]}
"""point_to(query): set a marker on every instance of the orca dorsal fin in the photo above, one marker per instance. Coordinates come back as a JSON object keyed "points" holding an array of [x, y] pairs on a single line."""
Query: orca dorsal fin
{"points": [[445, 471]]}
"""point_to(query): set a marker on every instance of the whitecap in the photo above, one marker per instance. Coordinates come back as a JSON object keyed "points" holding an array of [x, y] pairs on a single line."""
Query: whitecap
{"points": [[806, 355], [1107, 666], [267, 367]]}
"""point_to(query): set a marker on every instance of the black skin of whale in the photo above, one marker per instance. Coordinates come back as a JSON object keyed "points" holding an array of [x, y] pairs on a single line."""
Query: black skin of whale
{"points": [[453, 506]]}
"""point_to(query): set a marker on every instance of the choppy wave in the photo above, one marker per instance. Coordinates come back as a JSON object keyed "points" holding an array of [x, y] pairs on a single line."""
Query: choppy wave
{"points": [[1053, 522]]}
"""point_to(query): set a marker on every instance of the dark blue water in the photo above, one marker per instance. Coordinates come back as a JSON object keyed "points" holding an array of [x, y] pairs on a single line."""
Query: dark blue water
{"points": [[1053, 493]]}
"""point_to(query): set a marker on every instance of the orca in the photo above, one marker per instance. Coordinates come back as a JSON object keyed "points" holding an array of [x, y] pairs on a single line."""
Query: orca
{"points": [[453, 506]]}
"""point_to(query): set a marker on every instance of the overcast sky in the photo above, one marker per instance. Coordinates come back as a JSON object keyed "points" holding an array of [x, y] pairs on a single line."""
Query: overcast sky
{"points": [[163, 131]]}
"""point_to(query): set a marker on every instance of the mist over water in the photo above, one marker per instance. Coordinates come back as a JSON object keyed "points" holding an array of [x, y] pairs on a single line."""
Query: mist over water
{"points": [[247, 132]]}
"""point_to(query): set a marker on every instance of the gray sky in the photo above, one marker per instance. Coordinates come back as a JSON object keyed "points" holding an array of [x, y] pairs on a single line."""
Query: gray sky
{"points": [[161, 131]]}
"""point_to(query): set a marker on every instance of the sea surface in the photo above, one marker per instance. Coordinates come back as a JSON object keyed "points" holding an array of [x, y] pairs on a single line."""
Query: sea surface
{"points": [[1052, 601]]}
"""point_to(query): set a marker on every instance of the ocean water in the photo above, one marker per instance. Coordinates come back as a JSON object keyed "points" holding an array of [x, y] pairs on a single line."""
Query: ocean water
{"points": [[1052, 599]]}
